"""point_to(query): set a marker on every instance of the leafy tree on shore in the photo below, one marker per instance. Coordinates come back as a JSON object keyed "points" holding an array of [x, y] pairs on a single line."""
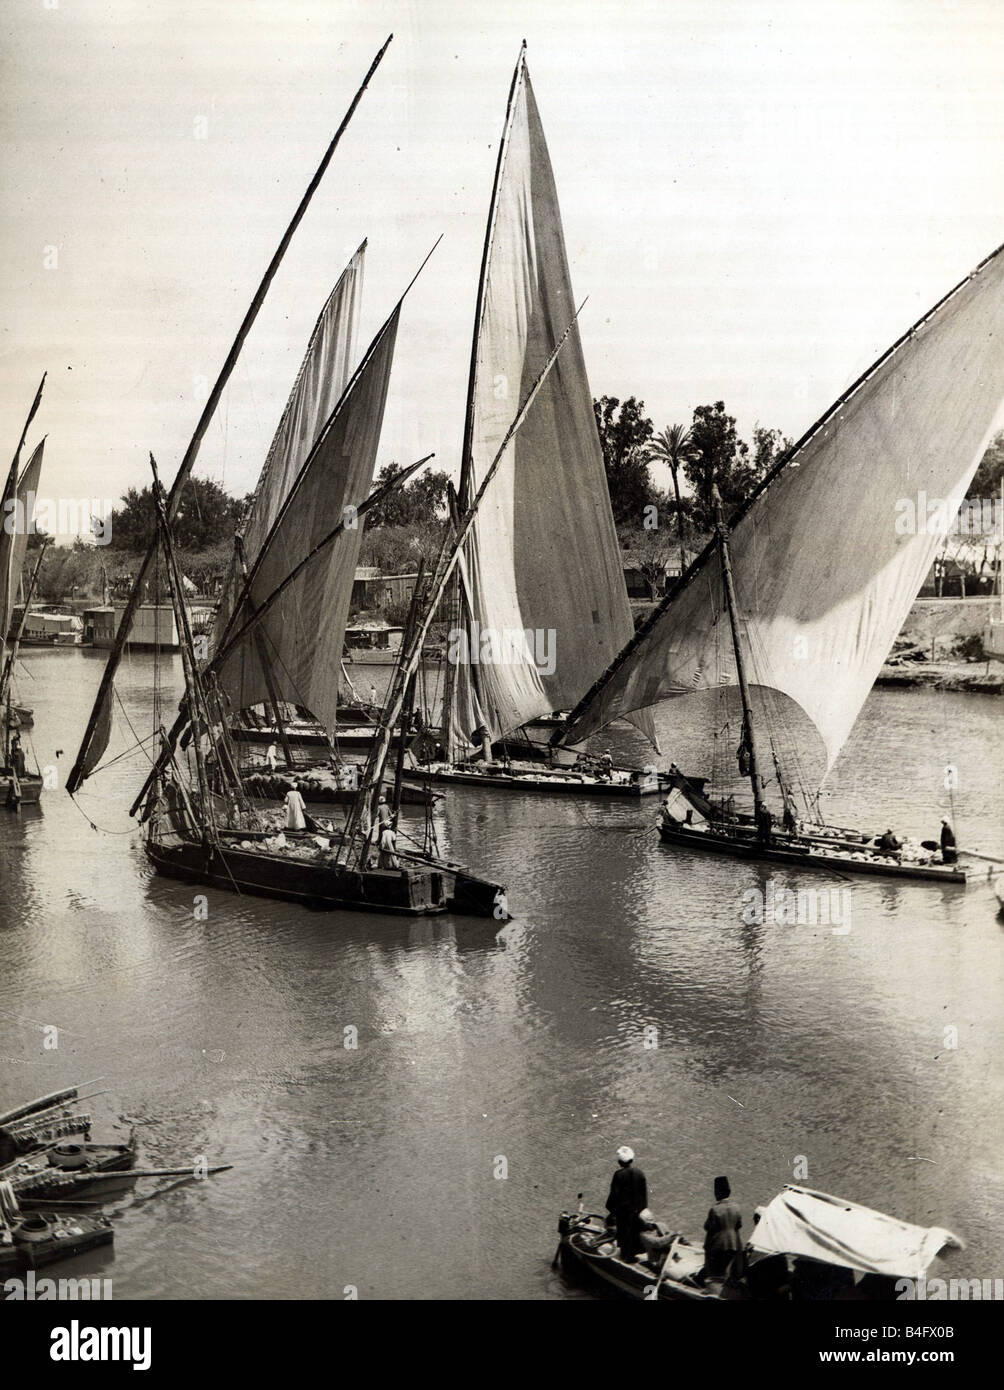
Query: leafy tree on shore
{"points": [[768, 446], [717, 456], [987, 478], [207, 515], [624, 436], [418, 503], [397, 549], [673, 446]]}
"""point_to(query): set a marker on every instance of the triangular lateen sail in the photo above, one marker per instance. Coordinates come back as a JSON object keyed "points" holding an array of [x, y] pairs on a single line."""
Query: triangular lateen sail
{"points": [[174, 497], [544, 555], [826, 564], [302, 636], [323, 376], [15, 528]]}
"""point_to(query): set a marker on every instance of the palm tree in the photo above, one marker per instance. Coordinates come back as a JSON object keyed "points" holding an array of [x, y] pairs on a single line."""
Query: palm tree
{"points": [[674, 446]]}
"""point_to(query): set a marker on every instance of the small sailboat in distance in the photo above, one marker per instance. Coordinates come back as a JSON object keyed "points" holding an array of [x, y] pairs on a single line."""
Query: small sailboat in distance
{"points": [[794, 605]]}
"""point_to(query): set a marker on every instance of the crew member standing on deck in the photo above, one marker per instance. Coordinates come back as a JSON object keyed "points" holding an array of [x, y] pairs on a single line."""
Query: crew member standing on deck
{"points": [[722, 1242], [387, 857], [295, 809], [627, 1200], [17, 760], [270, 757], [949, 854]]}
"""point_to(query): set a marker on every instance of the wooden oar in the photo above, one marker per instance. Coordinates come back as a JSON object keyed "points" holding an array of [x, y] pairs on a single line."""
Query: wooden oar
{"points": [[47, 1102], [975, 854], [120, 1173]]}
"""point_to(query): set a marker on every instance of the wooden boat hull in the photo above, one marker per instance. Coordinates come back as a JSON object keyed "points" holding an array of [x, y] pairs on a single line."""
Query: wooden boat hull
{"points": [[41, 1175], [588, 1251], [22, 717], [363, 656], [549, 784], [29, 791], [348, 738], [319, 786], [411, 891], [748, 847], [466, 894], [263, 737], [43, 1238]]}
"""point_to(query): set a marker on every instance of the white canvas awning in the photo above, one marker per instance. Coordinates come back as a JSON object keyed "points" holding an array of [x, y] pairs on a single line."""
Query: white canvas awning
{"points": [[815, 1225]]}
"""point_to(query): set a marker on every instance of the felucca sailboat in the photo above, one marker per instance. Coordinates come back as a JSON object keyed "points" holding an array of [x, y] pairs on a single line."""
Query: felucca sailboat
{"points": [[796, 603], [18, 785], [303, 529], [540, 605], [286, 676]]}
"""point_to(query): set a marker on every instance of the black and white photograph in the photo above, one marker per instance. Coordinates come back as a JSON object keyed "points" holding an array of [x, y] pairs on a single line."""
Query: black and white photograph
{"points": [[502, 615]]}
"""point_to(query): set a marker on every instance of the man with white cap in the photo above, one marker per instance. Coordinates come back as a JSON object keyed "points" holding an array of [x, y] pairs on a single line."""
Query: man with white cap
{"points": [[628, 1198]]}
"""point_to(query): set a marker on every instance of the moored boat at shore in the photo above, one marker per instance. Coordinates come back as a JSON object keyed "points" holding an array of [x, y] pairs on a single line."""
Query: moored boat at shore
{"points": [[628, 783], [66, 1168], [31, 1240]]}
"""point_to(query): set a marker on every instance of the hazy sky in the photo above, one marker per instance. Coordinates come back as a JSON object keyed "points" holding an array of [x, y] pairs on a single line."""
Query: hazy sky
{"points": [[758, 197]]}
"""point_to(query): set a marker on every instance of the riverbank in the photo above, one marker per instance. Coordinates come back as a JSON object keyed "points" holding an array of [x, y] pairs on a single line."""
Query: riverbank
{"points": [[977, 678], [936, 645]]}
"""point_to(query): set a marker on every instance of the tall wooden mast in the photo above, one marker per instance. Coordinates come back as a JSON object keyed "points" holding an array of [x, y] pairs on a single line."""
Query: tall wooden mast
{"points": [[196, 703], [78, 771], [265, 660], [722, 534], [15, 642], [445, 566]]}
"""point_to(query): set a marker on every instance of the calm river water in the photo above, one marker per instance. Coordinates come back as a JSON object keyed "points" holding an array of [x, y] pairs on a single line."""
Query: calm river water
{"points": [[380, 1167]]}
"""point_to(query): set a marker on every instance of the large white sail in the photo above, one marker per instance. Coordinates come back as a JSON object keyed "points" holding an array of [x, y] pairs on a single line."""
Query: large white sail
{"points": [[543, 558], [323, 375], [302, 636], [14, 531], [825, 558]]}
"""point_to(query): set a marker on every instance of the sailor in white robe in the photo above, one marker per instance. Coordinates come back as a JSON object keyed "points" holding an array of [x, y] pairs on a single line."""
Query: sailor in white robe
{"points": [[295, 809]]}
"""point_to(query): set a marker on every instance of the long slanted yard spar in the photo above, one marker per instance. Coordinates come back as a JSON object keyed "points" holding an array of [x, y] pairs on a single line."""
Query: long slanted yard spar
{"points": [[813, 580], [91, 749], [278, 636]]}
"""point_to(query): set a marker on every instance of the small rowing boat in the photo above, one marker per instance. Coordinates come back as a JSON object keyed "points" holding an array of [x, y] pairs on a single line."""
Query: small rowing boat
{"points": [[805, 1245], [66, 1168], [41, 1237]]}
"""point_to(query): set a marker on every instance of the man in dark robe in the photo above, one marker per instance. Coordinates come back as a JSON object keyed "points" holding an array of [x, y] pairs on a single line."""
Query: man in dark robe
{"points": [[949, 854], [722, 1242], [628, 1198]]}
